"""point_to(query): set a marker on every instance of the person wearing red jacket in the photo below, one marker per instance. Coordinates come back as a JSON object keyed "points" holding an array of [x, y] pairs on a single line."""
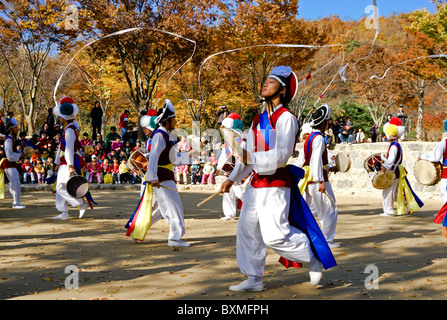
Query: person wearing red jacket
{"points": [[124, 122], [115, 171], [95, 170], [28, 169]]}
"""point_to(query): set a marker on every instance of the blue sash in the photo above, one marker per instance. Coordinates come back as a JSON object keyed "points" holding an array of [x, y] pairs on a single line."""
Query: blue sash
{"points": [[164, 133], [301, 217], [267, 132], [308, 151]]}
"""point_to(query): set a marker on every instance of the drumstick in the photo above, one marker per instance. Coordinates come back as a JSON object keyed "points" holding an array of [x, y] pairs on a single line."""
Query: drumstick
{"points": [[209, 198], [330, 198], [167, 188], [235, 147]]}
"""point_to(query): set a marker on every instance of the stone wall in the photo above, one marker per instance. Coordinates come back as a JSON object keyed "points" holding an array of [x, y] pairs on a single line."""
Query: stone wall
{"points": [[357, 182]]}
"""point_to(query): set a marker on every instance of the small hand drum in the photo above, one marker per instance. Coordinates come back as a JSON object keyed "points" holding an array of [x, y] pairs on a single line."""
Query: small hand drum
{"points": [[342, 162], [382, 180], [138, 162], [428, 173], [77, 186], [373, 162], [88, 150], [28, 152]]}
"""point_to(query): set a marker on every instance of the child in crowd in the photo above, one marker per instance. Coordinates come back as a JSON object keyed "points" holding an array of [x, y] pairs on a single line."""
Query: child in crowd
{"points": [[207, 173], [112, 155], [124, 172], [55, 142], [85, 141], [213, 159], [95, 170], [27, 169], [196, 171], [127, 149], [23, 141], [36, 155], [203, 157], [106, 168], [115, 171], [86, 170], [137, 145], [117, 144], [181, 171], [99, 152], [45, 155], [39, 169], [44, 142], [50, 166], [122, 156]]}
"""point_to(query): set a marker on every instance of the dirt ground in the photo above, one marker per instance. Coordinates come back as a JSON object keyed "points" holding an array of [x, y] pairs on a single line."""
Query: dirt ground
{"points": [[408, 252]]}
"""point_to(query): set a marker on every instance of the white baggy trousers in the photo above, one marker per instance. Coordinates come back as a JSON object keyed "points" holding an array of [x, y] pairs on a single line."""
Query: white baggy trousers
{"points": [[264, 222], [229, 200], [63, 199], [389, 196], [170, 208], [14, 184], [326, 212]]}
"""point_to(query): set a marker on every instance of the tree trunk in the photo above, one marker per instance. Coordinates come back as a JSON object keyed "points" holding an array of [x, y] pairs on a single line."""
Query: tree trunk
{"points": [[421, 95]]}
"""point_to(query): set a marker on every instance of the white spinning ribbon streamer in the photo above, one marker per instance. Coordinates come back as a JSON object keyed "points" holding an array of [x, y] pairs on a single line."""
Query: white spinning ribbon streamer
{"points": [[264, 45], [376, 27], [281, 46], [119, 33], [406, 61]]}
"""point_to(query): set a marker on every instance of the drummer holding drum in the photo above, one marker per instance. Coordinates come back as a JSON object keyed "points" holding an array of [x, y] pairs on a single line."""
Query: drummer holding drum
{"points": [[226, 164], [400, 189], [315, 186], [9, 164], [433, 165], [66, 159]]}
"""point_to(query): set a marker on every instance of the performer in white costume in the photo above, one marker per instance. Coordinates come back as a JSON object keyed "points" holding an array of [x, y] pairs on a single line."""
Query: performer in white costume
{"points": [[226, 160], [315, 185], [160, 173], [400, 191], [148, 124], [9, 164], [264, 215], [67, 159], [439, 154]]}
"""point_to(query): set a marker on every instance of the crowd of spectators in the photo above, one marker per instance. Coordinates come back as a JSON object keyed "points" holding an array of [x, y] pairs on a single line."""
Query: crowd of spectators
{"points": [[106, 159]]}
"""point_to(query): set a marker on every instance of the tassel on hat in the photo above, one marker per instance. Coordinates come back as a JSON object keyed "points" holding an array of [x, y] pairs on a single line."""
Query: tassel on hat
{"points": [[233, 122], [66, 109], [394, 129]]}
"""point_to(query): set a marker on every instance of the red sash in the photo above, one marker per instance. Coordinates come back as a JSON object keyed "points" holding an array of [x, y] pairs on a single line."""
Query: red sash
{"points": [[6, 163], [281, 177], [308, 153], [444, 162]]}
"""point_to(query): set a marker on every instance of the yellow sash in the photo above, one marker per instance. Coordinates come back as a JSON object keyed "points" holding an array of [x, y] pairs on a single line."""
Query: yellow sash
{"points": [[144, 214], [307, 178], [305, 181], [169, 166], [2, 181], [405, 197]]}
